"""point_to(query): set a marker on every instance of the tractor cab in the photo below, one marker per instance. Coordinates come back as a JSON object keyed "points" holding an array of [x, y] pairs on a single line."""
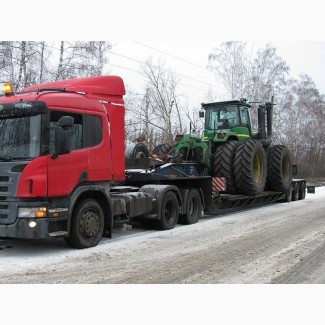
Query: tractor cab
{"points": [[227, 120]]}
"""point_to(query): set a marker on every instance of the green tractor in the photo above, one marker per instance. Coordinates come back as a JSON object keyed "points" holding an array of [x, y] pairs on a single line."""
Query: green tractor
{"points": [[230, 149]]}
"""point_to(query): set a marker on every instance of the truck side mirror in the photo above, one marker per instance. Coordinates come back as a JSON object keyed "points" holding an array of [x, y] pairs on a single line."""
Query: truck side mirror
{"points": [[63, 136], [201, 113]]}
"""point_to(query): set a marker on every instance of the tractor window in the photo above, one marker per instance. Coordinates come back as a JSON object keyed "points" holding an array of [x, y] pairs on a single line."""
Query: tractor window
{"points": [[244, 115], [228, 117]]}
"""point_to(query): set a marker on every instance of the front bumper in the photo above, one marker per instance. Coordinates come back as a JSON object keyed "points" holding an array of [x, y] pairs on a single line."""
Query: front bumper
{"points": [[44, 228]]}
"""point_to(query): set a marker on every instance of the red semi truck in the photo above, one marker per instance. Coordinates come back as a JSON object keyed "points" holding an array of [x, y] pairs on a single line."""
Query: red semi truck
{"points": [[63, 171]]}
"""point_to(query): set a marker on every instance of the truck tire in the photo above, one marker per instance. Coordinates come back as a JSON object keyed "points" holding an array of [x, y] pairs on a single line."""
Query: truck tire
{"points": [[223, 164], [194, 208], [136, 150], [87, 225], [162, 150], [250, 167], [279, 168], [169, 211], [295, 192], [302, 191]]}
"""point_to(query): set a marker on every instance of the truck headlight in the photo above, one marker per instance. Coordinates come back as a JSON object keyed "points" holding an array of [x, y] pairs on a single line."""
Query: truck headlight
{"points": [[32, 212]]}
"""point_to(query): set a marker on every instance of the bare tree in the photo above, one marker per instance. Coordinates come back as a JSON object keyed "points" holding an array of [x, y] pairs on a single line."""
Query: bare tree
{"points": [[162, 106], [300, 122], [246, 75]]}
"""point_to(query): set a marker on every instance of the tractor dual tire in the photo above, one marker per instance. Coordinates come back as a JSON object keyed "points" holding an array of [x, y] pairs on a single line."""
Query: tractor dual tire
{"points": [[223, 164], [250, 167], [279, 168]]}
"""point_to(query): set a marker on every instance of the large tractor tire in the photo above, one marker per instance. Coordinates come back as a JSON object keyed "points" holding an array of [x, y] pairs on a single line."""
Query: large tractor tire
{"points": [[250, 167], [223, 164], [162, 150], [136, 150], [279, 169]]}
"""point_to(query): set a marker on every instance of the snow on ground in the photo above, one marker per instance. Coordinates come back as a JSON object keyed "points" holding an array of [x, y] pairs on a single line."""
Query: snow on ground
{"points": [[18, 256]]}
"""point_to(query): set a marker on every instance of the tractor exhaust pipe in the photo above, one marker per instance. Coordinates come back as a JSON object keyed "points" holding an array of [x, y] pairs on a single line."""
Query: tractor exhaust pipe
{"points": [[265, 123], [269, 117]]}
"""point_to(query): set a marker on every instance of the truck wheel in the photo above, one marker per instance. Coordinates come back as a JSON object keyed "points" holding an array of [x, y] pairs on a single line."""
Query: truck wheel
{"points": [[87, 225], [194, 208], [169, 211], [279, 168], [295, 192], [136, 150], [250, 167], [223, 164], [302, 191], [162, 150], [288, 195]]}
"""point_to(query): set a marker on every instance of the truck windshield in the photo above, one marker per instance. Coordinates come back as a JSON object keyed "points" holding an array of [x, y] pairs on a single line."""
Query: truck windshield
{"points": [[20, 137]]}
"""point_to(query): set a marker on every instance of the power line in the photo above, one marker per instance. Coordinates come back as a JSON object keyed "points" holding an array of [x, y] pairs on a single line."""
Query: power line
{"points": [[171, 55], [172, 72]]}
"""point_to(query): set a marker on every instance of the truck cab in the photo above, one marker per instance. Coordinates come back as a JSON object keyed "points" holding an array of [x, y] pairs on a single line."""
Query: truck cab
{"points": [[56, 144]]}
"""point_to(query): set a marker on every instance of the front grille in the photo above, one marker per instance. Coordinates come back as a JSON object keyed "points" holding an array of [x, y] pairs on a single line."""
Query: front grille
{"points": [[4, 178], [3, 188]]}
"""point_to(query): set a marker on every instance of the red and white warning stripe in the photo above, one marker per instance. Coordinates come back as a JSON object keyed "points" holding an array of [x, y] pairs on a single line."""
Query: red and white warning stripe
{"points": [[218, 184]]}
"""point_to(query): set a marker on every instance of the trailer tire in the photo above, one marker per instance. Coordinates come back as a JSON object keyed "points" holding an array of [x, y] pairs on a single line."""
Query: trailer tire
{"points": [[279, 168], [194, 208], [136, 150], [295, 192], [223, 164], [288, 195], [302, 191], [250, 167], [169, 211], [87, 225]]}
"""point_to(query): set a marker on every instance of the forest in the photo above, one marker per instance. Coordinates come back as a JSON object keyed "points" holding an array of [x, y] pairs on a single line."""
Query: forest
{"points": [[161, 111]]}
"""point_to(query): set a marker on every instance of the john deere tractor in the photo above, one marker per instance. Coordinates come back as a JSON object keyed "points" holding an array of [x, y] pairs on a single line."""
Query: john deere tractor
{"points": [[230, 149]]}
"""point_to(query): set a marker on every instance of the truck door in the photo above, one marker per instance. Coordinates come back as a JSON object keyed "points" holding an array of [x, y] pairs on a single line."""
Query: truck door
{"points": [[66, 171]]}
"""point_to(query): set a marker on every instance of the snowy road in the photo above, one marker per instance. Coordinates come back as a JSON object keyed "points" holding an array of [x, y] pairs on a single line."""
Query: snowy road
{"points": [[278, 243]]}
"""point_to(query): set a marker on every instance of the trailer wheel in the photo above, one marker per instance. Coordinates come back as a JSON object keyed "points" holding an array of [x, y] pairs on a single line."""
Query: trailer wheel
{"points": [[250, 167], [87, 225], [223, 164], [302, 191], [279, 168], [136, 150], [295, 192], [169, 211], [194, 208], [288, 195]]}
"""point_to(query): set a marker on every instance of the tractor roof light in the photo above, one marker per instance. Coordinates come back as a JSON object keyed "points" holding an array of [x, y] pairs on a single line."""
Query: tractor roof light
{"points": [[8, 89]]}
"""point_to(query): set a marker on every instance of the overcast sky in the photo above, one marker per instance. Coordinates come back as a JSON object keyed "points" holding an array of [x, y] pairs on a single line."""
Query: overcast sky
{"points": [[188, 61]]}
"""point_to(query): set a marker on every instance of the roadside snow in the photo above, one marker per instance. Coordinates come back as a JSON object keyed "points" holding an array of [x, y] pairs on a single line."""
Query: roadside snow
{"points": [[19, 256]]}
